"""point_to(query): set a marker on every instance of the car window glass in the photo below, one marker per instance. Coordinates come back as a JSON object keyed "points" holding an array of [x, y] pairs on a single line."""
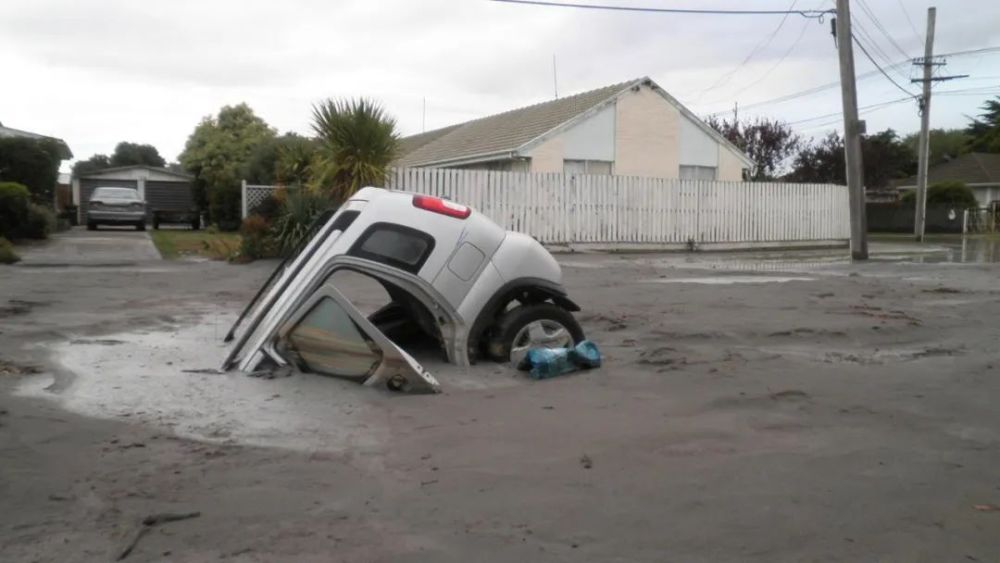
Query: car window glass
{"points": [[116, 193], [396, 245], [327, 341]]}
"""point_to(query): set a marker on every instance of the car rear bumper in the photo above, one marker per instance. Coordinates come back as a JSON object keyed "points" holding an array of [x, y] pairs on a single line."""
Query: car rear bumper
{"points": [[131, 217]]}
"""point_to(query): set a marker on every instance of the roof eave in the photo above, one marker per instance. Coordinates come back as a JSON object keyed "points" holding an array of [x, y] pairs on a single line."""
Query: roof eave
{"points": [[464, 160]]}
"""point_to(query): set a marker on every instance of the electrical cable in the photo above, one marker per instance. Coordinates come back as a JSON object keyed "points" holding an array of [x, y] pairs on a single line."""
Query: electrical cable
{"points": [[818, 14], [880, 69], [881, 28]]}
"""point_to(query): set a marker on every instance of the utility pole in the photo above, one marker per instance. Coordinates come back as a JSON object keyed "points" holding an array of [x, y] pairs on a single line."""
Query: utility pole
{"points": [[920, 218], [852, 133]]}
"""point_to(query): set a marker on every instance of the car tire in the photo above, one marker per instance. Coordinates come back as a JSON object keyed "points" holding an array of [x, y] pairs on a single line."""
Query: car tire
{"points": [[511, 338], [140, 226], [91, 226]]}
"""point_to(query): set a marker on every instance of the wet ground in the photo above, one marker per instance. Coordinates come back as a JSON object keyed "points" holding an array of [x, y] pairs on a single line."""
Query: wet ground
{"points": [[753, 407]]}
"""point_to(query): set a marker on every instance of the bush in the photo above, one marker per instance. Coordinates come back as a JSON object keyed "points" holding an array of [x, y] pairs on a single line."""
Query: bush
{"points": [[270, 207], [224, 206], [40, 223], [7, 254], [302, 207], [13, 208], [33, 163], [255, 241], [953, 194]]}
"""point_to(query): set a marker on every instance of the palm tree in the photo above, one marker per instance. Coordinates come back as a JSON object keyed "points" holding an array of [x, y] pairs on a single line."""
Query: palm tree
{"points": [[357, 140]]}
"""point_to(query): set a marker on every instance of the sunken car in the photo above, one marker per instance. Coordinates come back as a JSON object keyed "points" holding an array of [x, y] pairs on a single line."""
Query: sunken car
{"points": [[477, 290]]}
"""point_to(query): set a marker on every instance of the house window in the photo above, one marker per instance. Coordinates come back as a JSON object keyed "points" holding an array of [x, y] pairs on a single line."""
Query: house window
{"points": [[697, 172], [587, 167]]}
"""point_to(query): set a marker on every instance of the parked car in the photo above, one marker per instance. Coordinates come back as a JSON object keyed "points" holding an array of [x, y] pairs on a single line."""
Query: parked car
{"points": [[116, 206], [452, 273]]}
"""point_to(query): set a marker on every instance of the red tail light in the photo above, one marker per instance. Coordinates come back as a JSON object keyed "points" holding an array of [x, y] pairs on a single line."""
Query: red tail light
{"points": [[442, 206]]}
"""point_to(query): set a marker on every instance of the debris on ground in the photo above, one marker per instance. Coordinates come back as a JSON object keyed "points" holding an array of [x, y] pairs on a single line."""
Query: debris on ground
{"points": [[986, 507], [542, 363], [206, 371], [586, 462], [146, 524], [943, 289], [10, 368]]}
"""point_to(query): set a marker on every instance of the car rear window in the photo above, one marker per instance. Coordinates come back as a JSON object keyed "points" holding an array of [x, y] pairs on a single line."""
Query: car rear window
{"points": [[395, 245], [116, 193]]}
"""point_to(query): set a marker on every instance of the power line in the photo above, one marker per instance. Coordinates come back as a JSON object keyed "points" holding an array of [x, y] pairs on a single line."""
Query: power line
{"points": [[970, 52], [839, 114], [881, 28], [777, 64], [863, 34], [906, 14], [880, 69], [804, 13], [764, 42]]}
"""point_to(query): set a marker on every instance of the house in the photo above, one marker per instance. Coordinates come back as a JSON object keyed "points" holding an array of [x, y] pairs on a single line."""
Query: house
{"points": [[979, 171], [64, 152], [630, 129], [163, 189]]}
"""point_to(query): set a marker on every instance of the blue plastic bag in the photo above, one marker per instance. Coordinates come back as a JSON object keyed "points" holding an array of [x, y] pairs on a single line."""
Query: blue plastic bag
{"points": [[543, 363]]}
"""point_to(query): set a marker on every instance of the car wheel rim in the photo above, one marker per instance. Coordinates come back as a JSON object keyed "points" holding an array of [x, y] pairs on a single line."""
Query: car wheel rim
{"points": [[544, 333]]}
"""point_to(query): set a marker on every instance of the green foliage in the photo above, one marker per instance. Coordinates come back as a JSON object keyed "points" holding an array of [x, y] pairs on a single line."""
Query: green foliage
{"points": [[277, 160], [217, 153], [128, 154], [885, 157], [14, 200], [770, 144], [93, 164], [255, 241], [952, 194], [32, 162], [271, 207], [357, 142], [7, 254], [302, 207], [19, 218], [945, 144], [985, 131], [40, 222]]}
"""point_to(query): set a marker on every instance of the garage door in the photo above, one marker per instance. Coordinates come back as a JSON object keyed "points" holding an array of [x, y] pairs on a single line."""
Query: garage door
{"points": [[169, 196]]}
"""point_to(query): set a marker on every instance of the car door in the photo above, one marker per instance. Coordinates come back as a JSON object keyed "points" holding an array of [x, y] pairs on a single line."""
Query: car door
{"points": [[330, 336]]}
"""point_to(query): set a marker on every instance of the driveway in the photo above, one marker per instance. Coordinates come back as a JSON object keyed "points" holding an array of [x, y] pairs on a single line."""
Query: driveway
{"points": [[80, 247]]}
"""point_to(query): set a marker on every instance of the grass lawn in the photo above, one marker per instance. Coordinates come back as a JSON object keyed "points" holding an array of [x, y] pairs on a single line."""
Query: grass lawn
{"points": [[174, 244]]}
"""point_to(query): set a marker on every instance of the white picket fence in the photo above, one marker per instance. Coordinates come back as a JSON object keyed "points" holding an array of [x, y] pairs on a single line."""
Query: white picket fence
{"points": [[626, 211], [619, 211]]}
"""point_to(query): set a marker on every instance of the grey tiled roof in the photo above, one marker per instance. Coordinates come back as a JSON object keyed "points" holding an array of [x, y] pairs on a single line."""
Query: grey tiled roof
{"points": [[501, 132], [971, 168]]}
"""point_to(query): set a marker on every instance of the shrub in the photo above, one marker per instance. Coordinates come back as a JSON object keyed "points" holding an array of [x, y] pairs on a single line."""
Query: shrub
{"points": [[255, 241], [13, 208], [302, 207], [270, 207], [40, 222], [224, 206], [954, 194], [7, 254]]}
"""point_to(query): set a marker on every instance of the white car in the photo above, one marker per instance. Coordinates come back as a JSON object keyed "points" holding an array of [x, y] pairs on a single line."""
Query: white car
{"points": [[462, 279]]}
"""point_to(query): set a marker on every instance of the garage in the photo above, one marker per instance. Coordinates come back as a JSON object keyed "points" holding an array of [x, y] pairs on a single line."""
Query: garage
{"points": [[168, 194]]}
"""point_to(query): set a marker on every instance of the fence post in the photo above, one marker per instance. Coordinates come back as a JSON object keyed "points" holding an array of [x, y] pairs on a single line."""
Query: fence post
{"points": [[243, 192], [965, 221]]}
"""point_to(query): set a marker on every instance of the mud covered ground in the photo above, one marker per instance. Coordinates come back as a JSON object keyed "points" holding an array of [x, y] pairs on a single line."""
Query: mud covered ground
{"points": [[753, 407]]}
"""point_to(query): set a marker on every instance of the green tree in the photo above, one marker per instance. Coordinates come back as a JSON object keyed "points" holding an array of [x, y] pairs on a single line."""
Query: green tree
{"points": [[945, 144], [953, 193], [769, 143], [357, 141], [985, 131], [885, 157], [128, 154], [91, 165], [33, 163], [281, 160], [217, 153]]}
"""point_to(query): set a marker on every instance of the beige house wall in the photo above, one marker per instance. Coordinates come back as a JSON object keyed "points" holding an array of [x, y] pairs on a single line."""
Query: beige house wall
{"points": [[730, 166], [646, 136], [548, 156]]}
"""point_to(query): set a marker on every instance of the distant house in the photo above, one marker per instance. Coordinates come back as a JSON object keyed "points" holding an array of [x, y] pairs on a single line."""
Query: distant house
{"points": [[162, 189], [64, 151], [979, 171], [630, 129]]}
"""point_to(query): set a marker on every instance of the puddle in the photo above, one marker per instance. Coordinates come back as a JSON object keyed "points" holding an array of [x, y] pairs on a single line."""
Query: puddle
{"points": [[730, 280], [169, 379]]}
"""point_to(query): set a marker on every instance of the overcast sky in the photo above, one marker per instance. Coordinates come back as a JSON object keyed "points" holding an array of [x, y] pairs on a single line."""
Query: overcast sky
{"points": [[98, 72]]}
